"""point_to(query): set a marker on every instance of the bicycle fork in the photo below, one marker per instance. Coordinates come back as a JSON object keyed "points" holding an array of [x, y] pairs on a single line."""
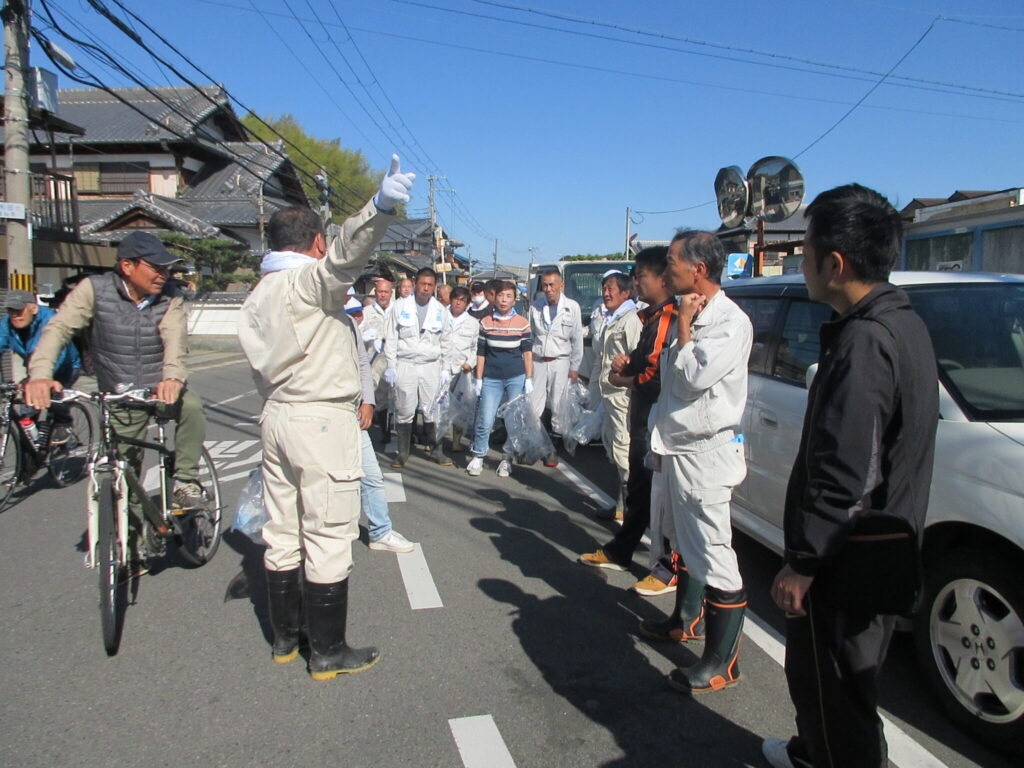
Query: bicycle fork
{"points": [[97, 470]]}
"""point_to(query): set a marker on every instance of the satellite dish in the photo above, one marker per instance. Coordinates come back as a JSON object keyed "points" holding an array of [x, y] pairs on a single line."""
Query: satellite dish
{"points": [[733, 196], [776, 188]]}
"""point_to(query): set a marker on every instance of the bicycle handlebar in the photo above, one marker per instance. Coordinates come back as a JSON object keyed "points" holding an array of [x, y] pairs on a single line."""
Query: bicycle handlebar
{"points": [[142, 396]]}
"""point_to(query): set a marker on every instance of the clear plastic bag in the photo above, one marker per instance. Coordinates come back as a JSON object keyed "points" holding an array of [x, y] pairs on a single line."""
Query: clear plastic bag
{"points": [[462, 404], [251, 511], [584, 423], [528, 441], [438, 412]]}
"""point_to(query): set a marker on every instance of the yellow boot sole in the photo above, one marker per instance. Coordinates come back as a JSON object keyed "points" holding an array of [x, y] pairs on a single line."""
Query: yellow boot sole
{"points": [[288, 657], [333, 673]]}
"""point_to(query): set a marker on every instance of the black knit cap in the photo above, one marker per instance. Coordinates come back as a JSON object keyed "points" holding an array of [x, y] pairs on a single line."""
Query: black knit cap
{"points": [[142, 245]]}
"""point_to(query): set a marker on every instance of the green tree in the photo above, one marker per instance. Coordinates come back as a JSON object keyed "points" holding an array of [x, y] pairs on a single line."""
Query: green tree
{"points": [[351, 176], [221, 257], [593, 257]]}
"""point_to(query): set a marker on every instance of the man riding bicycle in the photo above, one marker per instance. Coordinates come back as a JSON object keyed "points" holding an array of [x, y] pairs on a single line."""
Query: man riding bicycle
{"points": [[20, 332], [138, 334]]}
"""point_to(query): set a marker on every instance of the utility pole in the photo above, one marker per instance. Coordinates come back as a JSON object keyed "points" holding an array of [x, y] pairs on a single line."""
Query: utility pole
{"points": [[469, 255], [17, 179], [625, 248], [495, 259], [433, 224], [262, 218]]}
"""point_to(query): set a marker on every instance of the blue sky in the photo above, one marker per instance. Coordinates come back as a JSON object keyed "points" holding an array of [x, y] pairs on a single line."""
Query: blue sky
{"points": [[548, 128]]}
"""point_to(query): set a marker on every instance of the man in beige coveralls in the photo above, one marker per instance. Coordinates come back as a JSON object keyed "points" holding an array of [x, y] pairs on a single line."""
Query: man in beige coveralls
{"points": [[305, 365]]}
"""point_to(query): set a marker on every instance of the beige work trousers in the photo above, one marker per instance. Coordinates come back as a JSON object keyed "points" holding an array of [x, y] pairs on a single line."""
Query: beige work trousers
{"points": [[692, 492], [550, 380], [312, 462], [615, 430]]}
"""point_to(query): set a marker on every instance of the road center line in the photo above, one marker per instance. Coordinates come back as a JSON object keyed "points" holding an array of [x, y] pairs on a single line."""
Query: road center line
{"points": [[419, 584], [480, 743], [598, 496], [903, 750]]}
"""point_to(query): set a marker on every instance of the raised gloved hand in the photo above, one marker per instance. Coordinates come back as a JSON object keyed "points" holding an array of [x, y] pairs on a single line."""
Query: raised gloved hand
{"points": [[391, 376], [478, 387], [394, 187], [528, 386]]}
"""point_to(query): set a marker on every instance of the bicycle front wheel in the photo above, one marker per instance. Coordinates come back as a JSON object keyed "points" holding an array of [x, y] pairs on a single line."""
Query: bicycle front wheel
{"points": [[112, 582], [68, 460], [201, 528], [10, 462]]}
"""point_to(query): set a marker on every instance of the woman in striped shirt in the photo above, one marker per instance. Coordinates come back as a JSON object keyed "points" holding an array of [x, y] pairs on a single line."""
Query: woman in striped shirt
{"points": [[504, 368]]}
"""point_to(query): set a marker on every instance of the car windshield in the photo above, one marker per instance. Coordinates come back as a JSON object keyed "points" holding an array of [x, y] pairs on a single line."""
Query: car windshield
{"points": [[978, 334], [583, 282]]}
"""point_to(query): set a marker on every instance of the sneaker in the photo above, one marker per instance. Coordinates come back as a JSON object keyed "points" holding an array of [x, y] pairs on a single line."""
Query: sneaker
{"points": [[551, 460], [476, 466], [504, 468], [777, 755], [392, 541], [60, 435], [188, 494], [600, 560], [651, 585]]}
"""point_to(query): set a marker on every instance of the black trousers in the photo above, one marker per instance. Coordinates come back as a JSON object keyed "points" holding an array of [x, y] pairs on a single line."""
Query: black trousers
{"points": [[636, 516], [833, 657]]}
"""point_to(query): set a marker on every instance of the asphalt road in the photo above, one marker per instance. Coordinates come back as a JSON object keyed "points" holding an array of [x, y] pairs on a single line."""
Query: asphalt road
{"points": [[529, 659]]}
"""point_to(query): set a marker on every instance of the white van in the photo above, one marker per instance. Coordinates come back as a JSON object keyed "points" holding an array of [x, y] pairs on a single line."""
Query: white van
{"points": [[970, 627]]}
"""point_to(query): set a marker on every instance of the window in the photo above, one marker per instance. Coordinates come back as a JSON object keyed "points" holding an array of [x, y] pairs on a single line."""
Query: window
{"points": [[87, 177], [763, 313], [799, 344], [928, 252], [1002, 250], [123, 178]]}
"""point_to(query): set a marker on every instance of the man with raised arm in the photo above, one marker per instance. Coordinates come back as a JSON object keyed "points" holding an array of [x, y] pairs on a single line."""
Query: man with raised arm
{"points": [[305, 363]]}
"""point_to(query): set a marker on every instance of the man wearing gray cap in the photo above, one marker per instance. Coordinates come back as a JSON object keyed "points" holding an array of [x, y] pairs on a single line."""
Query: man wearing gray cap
{"points": [[138, 333], [20, 332]]}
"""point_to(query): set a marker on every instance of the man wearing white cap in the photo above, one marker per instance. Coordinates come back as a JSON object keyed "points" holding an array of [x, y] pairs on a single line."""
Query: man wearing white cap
{"points": [[557, 349]]}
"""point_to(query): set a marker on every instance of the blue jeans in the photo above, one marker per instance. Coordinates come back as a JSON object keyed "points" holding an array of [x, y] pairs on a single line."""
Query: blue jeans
{"points": [[371, 493], [490, 399]]}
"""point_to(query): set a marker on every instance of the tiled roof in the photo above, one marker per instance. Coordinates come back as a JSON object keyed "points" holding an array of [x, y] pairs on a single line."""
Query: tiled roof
{"points": [[177, 214], [240, 178], [106, 120]]}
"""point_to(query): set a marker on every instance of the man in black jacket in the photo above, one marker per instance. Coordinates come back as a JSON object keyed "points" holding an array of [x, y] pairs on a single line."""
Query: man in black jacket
{"points": [[866, 452]]}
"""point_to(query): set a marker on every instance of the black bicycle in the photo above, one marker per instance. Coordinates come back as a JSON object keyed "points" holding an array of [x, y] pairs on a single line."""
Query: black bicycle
{"points": [[113, 542], [62, 444]]}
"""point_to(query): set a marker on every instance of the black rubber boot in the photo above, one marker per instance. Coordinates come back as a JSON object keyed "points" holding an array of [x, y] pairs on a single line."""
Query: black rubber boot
{"points": [[403, 435], [687, 620], [435, 445], [718, 667], [327, 614], [284, 593]]}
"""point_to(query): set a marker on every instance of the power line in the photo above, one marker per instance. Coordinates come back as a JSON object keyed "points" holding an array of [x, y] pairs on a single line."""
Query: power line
{"points": [[870, 90]]}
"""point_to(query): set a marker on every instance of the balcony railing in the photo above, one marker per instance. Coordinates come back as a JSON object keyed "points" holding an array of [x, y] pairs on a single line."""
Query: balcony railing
{"points": [[54, 208]]}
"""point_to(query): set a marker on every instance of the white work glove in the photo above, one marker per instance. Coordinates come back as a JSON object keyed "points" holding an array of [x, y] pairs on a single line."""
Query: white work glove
{"points": [[391, 376], [478, 387], [394, 187], [528, 386]]}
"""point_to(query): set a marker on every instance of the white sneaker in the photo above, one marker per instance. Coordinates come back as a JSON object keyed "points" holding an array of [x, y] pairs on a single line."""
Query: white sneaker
{"points": [[504, 468], [392, 541], [476, 466], [774, 751]]}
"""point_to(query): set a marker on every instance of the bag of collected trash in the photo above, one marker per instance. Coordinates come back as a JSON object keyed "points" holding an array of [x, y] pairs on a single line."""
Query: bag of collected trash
{"points": [[437, 412], [251, 511], [583, 424], [527, 439], [462, 404]]}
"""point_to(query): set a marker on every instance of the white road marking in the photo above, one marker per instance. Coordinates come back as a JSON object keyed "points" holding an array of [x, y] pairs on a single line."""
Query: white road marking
{"points": [[595, 493], [480, 743], [232, 399], [904, 752], [227, 449], [419, 584], [393, 487]]}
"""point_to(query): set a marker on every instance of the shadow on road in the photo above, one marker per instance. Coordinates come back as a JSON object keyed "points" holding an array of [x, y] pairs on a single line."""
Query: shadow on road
{"points": [[250, 583], [583, 642]]}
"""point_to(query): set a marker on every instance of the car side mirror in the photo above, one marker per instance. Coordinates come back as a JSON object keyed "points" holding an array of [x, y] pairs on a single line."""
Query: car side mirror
{"points": [[812, 370]]}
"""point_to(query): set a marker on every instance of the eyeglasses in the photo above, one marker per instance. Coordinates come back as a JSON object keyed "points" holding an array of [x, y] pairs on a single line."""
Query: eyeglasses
{"points": [[158, 269]]}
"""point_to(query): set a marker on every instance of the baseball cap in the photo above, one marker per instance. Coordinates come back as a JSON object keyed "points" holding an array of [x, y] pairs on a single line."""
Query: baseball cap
{"points": [[476, 287], [18, 299], [142, 245], [353, 305]]}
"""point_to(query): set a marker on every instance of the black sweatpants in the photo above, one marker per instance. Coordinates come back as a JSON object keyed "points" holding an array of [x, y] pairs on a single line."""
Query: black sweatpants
{"points": [[636, 516], [833, 657]]}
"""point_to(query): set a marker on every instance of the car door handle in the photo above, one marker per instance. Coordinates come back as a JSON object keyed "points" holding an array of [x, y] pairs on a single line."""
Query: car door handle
{"points": [[768, 418]]}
